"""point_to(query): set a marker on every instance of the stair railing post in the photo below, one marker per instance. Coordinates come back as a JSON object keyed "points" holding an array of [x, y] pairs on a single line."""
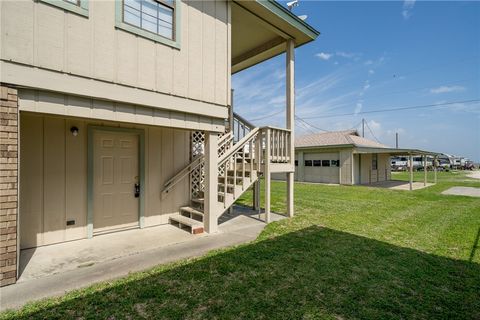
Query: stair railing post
{"points": [[211, 183], [250, 156], [267, 176], [234, 176], [258, 150], [243, 167]]}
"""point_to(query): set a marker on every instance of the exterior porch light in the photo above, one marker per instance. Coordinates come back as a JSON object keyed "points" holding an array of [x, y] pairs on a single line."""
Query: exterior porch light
{"points": [[74, 131]]}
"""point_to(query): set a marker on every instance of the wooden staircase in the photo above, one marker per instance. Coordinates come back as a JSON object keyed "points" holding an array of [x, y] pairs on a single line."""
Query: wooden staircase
{"points": [[259, 151], [190, 218]]}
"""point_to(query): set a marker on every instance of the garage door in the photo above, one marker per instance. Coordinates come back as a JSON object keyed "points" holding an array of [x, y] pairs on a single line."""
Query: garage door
{"points": [[322, 167]]}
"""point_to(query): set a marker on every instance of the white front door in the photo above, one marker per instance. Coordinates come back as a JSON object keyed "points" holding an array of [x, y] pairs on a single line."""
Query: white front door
{"points": [[115, 176]]}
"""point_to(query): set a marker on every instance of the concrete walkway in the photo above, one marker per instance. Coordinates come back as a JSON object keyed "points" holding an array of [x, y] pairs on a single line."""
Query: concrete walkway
{"points": [[398, 185], [463, 191], [57, 269]]}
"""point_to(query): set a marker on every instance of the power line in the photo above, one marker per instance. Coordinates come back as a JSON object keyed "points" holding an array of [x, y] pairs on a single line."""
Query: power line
{"points": [[310, 125], [394, 109], [371, 132], [391, 93], [306, 127], [267, 116]]}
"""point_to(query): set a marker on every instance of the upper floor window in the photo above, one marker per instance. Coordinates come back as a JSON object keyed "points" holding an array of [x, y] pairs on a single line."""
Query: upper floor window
{"points": [[76, 6], [156, 16]]}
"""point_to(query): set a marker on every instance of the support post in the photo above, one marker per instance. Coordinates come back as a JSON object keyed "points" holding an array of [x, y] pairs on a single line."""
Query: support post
{"points": [[425, 170], [267, 176], [435, 164], [256, 196], [230, 112], [411, 172], [290, 99], [211, 182]]}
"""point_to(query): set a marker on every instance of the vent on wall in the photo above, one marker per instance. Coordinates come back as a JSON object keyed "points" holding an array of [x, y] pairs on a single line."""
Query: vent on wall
{"points": [[70, 222]]}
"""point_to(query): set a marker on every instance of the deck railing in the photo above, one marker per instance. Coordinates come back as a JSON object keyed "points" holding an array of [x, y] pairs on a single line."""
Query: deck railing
{"points": [[277, 144]]}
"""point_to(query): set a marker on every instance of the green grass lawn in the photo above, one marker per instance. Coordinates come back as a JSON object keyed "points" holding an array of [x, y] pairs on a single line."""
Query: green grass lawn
{"points": [[349, 253]]}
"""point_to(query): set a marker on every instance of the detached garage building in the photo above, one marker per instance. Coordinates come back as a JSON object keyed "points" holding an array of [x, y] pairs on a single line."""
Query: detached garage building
{"points": [[341, 157]]}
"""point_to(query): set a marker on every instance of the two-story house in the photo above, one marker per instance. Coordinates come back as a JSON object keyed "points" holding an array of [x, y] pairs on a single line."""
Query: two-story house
{"points": [[117, 115]]}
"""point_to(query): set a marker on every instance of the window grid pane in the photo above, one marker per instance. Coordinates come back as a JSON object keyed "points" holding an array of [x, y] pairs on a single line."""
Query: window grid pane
{"points": [[75, 2], [149, 15]]}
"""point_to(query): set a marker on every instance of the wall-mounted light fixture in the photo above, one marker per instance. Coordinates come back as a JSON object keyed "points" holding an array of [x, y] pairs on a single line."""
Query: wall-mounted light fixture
{"points": [[74, 131]]}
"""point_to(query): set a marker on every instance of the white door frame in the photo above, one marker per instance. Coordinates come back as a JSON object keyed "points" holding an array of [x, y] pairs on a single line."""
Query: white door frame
{"points": [[141, 154]]}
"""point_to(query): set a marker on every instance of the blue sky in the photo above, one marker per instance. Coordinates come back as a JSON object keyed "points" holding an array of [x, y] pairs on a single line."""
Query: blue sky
{"points": [[377, 56]]}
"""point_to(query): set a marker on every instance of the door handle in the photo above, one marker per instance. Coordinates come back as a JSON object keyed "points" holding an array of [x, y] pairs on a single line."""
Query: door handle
{"points": [[137, 190]]}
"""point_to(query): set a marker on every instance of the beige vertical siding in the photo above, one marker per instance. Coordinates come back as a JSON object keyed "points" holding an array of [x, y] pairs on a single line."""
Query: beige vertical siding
{"points": [[76, 106], [53, 172], [346, 163], [41, 35], [384, 167]]}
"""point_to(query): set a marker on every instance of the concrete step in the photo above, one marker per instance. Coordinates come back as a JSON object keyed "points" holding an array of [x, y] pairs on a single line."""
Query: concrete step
{"points": [[192, 213], [185, 223], [199, 201]]}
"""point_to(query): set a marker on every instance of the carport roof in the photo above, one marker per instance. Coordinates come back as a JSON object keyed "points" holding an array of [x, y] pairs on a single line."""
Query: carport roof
{"points": [[351, 139], [336, 138]]}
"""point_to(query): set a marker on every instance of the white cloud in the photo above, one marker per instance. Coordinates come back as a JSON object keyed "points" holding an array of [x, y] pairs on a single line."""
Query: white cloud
{"points": [[371, 71], [358, 107], [324, 56], [446, 89], [368, 62], [407, 8], [347, 55], [366, 85]]}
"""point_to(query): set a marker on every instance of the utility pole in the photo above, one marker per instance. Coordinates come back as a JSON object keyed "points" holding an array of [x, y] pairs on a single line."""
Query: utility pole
{"points": [[363, 128], [396, 140]]}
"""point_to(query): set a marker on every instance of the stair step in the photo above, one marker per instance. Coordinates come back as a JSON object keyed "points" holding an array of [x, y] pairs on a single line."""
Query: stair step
{"points": [[229, 186], [239, 172], [195, 226], [199, 201], [230, 179], [191, 211]]}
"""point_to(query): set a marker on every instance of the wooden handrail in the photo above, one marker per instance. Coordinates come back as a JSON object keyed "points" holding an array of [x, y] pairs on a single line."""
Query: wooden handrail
{"points": [[195, 163], [275, 128], [237, 146]]}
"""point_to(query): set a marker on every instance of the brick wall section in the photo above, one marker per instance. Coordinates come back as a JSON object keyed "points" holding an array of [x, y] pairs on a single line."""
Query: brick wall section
{"points": [[8, 184]]}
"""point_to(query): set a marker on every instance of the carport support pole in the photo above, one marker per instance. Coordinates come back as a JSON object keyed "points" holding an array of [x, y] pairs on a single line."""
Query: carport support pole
{"points": [[425, 170], [435, 169], [290, 116], [411, 172]]}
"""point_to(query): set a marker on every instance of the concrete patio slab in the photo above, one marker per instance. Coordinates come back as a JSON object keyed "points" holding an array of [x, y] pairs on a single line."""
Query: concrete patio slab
{"points": [[474, 175], [52, 272], [463, 191], [398, 185]]}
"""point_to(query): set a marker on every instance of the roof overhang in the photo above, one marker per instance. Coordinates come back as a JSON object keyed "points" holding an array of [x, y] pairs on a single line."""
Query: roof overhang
{"points": [[333, 146], [260, 29], [367, 150], [394, 151]]}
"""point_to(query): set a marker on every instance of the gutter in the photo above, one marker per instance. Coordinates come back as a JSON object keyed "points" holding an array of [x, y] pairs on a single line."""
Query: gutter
{"points": [[287, 15]]}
